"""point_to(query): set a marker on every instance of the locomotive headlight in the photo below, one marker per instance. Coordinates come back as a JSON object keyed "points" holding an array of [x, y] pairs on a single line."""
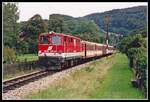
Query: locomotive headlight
{"points": [[40, 52]]}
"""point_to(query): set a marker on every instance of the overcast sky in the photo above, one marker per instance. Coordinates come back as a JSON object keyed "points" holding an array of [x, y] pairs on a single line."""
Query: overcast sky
{"points": [[75, 9]]}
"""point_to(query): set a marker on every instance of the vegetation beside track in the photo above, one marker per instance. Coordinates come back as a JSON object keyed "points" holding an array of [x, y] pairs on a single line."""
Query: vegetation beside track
{"points": [[20, 69], [107, 78], [27, 57]]}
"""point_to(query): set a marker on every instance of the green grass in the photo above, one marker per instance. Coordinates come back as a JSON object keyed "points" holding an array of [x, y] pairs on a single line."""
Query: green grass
{"points": [[117, 82], [107, 78], [27, 57]]}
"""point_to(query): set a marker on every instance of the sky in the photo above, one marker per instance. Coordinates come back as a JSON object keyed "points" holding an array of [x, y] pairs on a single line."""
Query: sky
{"points": [[74, 9]]}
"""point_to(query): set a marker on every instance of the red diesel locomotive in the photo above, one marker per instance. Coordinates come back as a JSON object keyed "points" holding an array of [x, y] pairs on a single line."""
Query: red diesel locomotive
{"points": [[58, 51]]}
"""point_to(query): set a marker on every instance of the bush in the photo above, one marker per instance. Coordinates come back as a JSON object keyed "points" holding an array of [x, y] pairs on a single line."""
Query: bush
{"points": [[135, 47], [9, 55], [142, 67]]}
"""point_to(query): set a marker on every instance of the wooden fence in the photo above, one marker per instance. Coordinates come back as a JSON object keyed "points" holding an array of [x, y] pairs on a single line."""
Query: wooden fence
{"points": [[22, 66]]}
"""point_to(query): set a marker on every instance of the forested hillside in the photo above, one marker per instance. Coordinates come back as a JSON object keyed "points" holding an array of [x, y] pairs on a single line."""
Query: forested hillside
{"points": [[122, 21]]}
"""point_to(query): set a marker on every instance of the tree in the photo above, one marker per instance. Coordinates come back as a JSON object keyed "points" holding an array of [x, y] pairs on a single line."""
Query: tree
{"points": [[57, 24], [10, 27], [9, 55], [31, 29]]}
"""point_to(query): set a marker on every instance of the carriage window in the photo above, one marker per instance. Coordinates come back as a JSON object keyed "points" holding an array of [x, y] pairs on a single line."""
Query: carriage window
{"points": [[78, 42], [56, 40], [70, 40], [74, 42]]}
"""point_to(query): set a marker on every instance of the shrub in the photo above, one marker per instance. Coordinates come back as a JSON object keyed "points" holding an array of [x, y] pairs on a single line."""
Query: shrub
{"points": [[9, 55]]}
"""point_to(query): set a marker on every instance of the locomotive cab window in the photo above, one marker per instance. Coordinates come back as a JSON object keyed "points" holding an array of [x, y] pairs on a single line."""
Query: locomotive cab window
{"points": [[44, 40], [56, 40]]}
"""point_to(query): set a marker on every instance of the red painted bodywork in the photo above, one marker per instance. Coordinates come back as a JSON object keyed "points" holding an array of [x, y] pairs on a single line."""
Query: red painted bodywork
{"points": [[67, 44], [70, 44]]}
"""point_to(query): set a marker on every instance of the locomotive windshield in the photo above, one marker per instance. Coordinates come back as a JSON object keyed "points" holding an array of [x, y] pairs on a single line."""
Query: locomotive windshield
{"points": [[56, 40], [50, 40]]}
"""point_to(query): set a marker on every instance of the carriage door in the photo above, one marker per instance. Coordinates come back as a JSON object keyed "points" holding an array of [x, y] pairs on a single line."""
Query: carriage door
{"points": [[65, 44], [85, 49]]}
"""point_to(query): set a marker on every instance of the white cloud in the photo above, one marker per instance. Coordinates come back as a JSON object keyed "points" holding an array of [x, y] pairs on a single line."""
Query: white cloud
{"points": [[75, 9]]}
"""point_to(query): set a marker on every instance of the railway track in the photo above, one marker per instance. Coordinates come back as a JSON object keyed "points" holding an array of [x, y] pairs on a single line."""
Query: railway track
{"points": [[22, 80], [17, 82]]}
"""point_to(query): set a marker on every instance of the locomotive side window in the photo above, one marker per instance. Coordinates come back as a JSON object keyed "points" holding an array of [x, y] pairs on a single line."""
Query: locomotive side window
{"points": [[71, 40], [65, 39], [56, 40]]}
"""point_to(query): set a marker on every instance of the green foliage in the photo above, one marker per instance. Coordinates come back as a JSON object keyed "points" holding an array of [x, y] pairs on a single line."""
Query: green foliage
{"points": [[27, 57], [142, 31], [142, 65], [142, 62], [57, 24], [132, 41], [9, 55], [84, 28], [88, 30], [22, 47], [10, 26], [135, 47], [32, 27], [122, 21]]}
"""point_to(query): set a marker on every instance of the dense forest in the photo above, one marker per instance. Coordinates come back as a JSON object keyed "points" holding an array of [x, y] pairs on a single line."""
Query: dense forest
{"points": [[122, 21]]}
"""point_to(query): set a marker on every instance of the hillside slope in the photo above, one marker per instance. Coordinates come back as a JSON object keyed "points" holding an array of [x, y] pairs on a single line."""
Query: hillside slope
{"points": [[122, 20]]}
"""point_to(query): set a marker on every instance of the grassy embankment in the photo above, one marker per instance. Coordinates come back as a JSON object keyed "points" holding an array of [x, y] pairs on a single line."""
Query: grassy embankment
{"points": [[107, 78]]}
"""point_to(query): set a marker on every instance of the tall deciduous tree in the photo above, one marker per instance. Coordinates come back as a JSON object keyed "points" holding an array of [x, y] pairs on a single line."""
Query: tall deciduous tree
{"points": [[31, 29], [10, 17]]}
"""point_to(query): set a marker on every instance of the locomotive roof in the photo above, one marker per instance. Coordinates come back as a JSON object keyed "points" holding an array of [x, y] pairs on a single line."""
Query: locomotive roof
{"points": [[61, 34]]}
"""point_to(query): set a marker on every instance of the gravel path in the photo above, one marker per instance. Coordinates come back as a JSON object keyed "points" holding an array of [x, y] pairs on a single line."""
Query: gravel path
{"points": [[39, 85]]}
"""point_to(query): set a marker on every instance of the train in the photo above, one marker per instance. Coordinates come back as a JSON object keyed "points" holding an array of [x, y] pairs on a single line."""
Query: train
{"points": [[58, 51]]}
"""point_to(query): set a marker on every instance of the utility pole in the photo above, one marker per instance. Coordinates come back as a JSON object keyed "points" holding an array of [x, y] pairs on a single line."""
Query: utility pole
{"points": [[106, 21]]}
